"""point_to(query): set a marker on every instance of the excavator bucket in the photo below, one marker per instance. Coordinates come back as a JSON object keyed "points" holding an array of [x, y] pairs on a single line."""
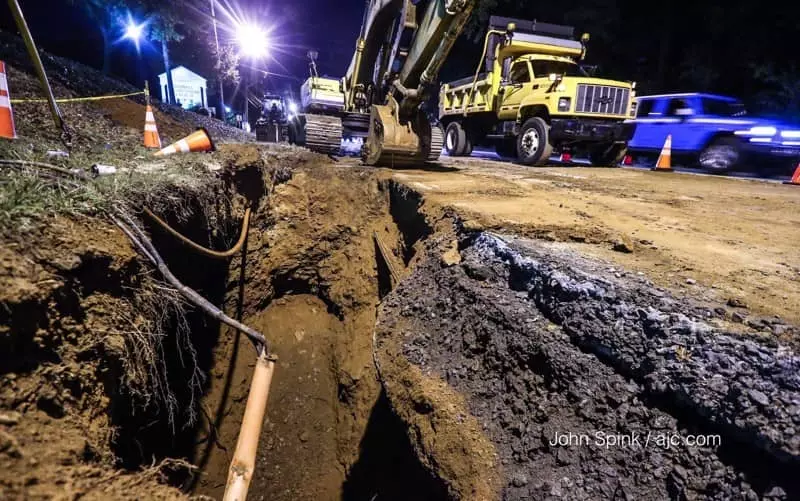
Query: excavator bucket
{"points": [[391, 143]]}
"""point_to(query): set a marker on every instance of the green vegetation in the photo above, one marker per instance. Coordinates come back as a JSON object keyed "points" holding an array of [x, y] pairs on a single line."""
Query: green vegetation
{"points": [[29, 195]]}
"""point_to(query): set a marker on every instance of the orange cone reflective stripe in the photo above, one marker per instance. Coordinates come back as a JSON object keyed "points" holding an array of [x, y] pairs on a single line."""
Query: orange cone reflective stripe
{"points": [[664, 162], [151, 137], [7, 129], [196, 141]]}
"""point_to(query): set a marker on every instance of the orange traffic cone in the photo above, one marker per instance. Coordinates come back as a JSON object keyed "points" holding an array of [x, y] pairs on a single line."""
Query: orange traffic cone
{"points": [[7, 128], [151, 137], [796, 178], [198, 140], [664, 162]]}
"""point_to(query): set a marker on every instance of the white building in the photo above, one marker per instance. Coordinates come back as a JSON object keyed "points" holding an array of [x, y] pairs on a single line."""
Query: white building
{"points": [[190, 88]]}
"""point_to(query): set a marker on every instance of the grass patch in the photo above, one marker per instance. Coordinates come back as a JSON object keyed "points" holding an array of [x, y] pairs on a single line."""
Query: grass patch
{"points": [[29, 196]]}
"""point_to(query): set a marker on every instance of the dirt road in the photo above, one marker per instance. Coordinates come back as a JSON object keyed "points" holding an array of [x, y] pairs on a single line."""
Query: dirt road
{"points": [[726, 240]]}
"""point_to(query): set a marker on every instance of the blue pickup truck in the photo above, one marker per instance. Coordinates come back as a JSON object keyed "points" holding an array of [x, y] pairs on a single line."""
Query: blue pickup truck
{"points": [[713, 132]]}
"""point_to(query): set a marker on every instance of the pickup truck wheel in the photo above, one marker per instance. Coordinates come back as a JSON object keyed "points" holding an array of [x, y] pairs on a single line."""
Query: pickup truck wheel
{"points": [[455, 140], [721, 155], [608, 156], [533, 142]]}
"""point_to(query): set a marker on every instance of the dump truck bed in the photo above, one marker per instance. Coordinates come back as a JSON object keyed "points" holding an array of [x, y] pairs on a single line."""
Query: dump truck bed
{"points": [[458, 96]]}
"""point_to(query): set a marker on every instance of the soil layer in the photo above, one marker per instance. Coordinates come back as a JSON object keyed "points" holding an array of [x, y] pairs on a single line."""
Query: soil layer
{"points": [[543, 342]]}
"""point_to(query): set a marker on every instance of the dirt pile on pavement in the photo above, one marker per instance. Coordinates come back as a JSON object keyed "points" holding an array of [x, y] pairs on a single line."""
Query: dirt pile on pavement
{"points": [[543, 342], [730, 240]]}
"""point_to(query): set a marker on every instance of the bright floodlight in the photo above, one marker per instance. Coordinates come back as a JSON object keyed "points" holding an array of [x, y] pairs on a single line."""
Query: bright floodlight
{"points": [[134, 31], [252, 41], [293, 107]]}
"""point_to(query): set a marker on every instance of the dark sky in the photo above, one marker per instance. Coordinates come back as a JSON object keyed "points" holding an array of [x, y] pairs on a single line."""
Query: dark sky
{"points": [[738, 48], [330, 27]]}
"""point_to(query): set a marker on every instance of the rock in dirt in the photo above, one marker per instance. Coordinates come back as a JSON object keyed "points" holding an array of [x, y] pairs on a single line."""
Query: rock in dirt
{"points": [[451, 256], [624, 244], [9, 445], [9, 418], [736, 303]]}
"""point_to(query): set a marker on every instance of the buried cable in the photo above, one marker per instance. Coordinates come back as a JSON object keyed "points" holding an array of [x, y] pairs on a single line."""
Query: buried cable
{"points": [[143, 244], [202, 250]]}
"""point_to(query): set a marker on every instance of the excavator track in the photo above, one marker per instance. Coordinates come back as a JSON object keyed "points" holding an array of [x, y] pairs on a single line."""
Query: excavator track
{"points": [[323, 133]]}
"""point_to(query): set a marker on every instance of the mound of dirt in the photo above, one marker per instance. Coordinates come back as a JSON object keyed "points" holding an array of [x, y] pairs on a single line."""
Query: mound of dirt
{"points": [[591, 386]]}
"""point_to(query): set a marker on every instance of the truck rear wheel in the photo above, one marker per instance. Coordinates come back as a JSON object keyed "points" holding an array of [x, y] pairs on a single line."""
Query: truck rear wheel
{"points": [[533, 142], [456, 141]]}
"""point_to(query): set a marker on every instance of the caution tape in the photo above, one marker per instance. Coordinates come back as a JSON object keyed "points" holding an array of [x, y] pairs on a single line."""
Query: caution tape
{"points": [[78, 99]]}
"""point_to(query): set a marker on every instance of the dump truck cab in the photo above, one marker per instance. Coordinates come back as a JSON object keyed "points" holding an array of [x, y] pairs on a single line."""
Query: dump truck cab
{"points": [[535, 97]]}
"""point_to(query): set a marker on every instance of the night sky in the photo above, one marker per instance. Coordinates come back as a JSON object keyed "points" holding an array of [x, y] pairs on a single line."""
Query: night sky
{"points": [[737, 48]]}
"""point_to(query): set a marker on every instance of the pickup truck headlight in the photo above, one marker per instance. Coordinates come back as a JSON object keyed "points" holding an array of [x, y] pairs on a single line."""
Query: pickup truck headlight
{"points": [[563, 103]]}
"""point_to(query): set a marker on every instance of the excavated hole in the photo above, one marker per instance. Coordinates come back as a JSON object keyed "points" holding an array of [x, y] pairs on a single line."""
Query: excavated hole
{"points": [[301, 450]]}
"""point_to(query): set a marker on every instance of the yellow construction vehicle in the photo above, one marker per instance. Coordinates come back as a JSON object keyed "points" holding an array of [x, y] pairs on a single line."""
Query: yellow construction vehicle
{"points": [[400, 50], [534, 98]]}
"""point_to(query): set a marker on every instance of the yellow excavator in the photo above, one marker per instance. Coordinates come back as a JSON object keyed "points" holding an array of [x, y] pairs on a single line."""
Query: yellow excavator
{"points": [[400, 50]]}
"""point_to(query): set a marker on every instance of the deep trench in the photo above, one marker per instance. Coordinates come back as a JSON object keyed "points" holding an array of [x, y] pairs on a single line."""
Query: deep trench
{"points": [[387, 467]]}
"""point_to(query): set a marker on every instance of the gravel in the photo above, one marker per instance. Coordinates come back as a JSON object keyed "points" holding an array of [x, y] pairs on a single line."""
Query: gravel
{"points": [[545, 345]]}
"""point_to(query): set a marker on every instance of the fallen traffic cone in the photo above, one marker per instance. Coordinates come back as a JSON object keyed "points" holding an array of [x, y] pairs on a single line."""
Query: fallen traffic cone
{"points": [[198, 140], [7, 128], [151, 137], [796, 178], [664, 162]]}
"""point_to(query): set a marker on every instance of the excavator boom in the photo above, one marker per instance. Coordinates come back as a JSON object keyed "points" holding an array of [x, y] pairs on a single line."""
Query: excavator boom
{"points": [[401, 47]]}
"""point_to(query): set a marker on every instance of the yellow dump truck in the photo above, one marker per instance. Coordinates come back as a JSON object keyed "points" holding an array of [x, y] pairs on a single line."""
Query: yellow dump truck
{"points": [[534, 98]]}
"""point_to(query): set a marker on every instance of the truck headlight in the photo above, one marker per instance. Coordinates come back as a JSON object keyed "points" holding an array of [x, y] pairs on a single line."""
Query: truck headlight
{"points": [[563, 103], [633, 109]]}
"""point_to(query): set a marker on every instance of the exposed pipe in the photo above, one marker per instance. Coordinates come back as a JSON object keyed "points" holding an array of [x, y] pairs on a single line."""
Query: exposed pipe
{"points": [[143, 244], [243, 464], [206, 252]]}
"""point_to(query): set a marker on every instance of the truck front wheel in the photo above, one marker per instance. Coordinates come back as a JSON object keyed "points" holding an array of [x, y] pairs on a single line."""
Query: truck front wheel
{"points": [[608, 155], [533, 142], [456, 141]]}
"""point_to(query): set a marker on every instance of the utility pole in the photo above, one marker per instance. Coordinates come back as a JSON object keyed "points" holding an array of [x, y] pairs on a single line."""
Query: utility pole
{"points": [[219, 63]]}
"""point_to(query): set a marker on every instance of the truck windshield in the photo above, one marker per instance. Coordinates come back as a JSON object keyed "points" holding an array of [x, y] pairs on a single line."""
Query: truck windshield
{"points": [[723, 108], [543, 68]]}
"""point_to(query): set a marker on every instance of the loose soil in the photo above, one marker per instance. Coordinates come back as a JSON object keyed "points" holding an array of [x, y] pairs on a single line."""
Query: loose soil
{"points": [[732, 240], [542, 341]]}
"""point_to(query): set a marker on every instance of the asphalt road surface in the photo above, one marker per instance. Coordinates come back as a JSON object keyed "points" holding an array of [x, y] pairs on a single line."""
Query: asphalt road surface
{"points": [[487, 154]]}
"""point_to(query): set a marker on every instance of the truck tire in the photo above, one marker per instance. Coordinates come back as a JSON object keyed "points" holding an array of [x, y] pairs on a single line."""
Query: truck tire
{"points": [[533, 142], [721, 155], [455, 140], [608, 155]]}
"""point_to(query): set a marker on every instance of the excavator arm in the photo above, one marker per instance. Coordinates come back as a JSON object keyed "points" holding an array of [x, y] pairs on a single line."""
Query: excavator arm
{"points": [[401, 48]]}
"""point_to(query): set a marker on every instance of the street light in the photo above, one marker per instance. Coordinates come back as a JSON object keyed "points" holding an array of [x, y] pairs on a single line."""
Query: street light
{"points": [[252, 41], [134, 31], [253, 44]]}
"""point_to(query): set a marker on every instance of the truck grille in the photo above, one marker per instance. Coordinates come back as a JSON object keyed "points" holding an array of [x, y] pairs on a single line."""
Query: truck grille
{"points": [[602, 99]]}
